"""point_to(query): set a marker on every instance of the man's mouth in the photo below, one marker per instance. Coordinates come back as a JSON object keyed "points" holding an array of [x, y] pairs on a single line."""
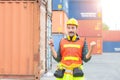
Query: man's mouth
{"points": [[71, 32]]}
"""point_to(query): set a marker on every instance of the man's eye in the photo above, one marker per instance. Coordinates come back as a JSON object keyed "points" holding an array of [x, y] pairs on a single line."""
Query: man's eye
{"points": [[68, 27], [72, 27]]}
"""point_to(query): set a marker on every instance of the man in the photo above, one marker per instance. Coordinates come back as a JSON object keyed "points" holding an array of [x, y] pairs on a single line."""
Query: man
{"points": [[72, 52]]}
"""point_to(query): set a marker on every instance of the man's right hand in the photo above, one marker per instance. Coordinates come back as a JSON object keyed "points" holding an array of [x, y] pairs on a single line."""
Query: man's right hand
{"points": [[51, 42]]}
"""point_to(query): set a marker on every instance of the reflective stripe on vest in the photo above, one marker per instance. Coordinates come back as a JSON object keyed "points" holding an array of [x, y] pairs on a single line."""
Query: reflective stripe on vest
{"points": [[72, 45], [71, 58]]}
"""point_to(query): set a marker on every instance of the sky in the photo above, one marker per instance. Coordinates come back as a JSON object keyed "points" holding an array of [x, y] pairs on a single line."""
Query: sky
{"points": [[111, 13]]}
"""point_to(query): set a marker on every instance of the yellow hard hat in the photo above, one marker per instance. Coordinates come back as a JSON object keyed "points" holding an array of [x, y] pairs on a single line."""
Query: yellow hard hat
{"points": [[72, 21]]}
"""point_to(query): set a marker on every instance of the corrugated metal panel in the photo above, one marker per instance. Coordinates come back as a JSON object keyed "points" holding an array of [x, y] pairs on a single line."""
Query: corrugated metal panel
{"points": [[18, 38], [85, 9], [59, 19], [109, 46], [111, 35], [98, 47], [57, 38], [60, 5], [90, 28]]}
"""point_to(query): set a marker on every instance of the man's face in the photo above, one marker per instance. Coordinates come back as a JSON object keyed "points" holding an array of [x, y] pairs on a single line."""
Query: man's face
{"points": [[71, 30]]}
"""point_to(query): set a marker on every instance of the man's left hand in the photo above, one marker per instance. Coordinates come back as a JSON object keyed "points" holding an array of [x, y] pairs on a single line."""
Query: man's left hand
{"points": [[92, 44]]}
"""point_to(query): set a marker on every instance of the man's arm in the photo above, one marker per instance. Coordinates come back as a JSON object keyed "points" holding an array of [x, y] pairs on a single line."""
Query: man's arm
{"points": [[92, 44], [56, 55], [86, 54]]}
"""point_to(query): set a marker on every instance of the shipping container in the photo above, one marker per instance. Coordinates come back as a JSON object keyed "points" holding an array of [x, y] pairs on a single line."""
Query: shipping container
{"points": [[60, 5], [90, 28], [57, 38], [111, 47], [98, 46], [19, 39], [25, 27], [85, 9], [111, 35], [59, 19]]}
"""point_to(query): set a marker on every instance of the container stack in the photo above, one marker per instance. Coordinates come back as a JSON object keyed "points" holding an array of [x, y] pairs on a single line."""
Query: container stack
{"points": [[111, 41], [59, 19], [88, 14]]}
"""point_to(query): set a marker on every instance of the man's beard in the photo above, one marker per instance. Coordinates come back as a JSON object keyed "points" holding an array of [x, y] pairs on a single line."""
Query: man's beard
{"points": [[71, 34]]}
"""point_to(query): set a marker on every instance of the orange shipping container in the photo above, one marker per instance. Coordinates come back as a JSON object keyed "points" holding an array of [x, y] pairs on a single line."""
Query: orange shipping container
{"points": [[111, 35], [98, 47], [19, 39], [59, 19], [90, 28]]}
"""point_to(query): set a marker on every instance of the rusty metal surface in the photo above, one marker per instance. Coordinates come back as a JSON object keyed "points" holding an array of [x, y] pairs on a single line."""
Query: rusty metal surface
{"points": [[19, 37]]}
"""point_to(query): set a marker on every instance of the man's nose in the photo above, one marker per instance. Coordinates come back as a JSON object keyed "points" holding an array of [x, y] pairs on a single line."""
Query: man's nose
{"points": [[71, 29]]}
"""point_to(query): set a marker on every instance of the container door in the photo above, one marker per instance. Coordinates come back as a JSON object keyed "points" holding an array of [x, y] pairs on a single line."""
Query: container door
{"points": [[19, 32]]}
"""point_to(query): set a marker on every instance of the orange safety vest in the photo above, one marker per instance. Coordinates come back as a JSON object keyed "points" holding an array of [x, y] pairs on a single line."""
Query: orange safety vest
{"points": [[71, 51]]}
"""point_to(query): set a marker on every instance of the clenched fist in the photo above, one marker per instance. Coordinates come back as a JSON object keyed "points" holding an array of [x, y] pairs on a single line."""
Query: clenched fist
{"points": [[92, 44]]}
